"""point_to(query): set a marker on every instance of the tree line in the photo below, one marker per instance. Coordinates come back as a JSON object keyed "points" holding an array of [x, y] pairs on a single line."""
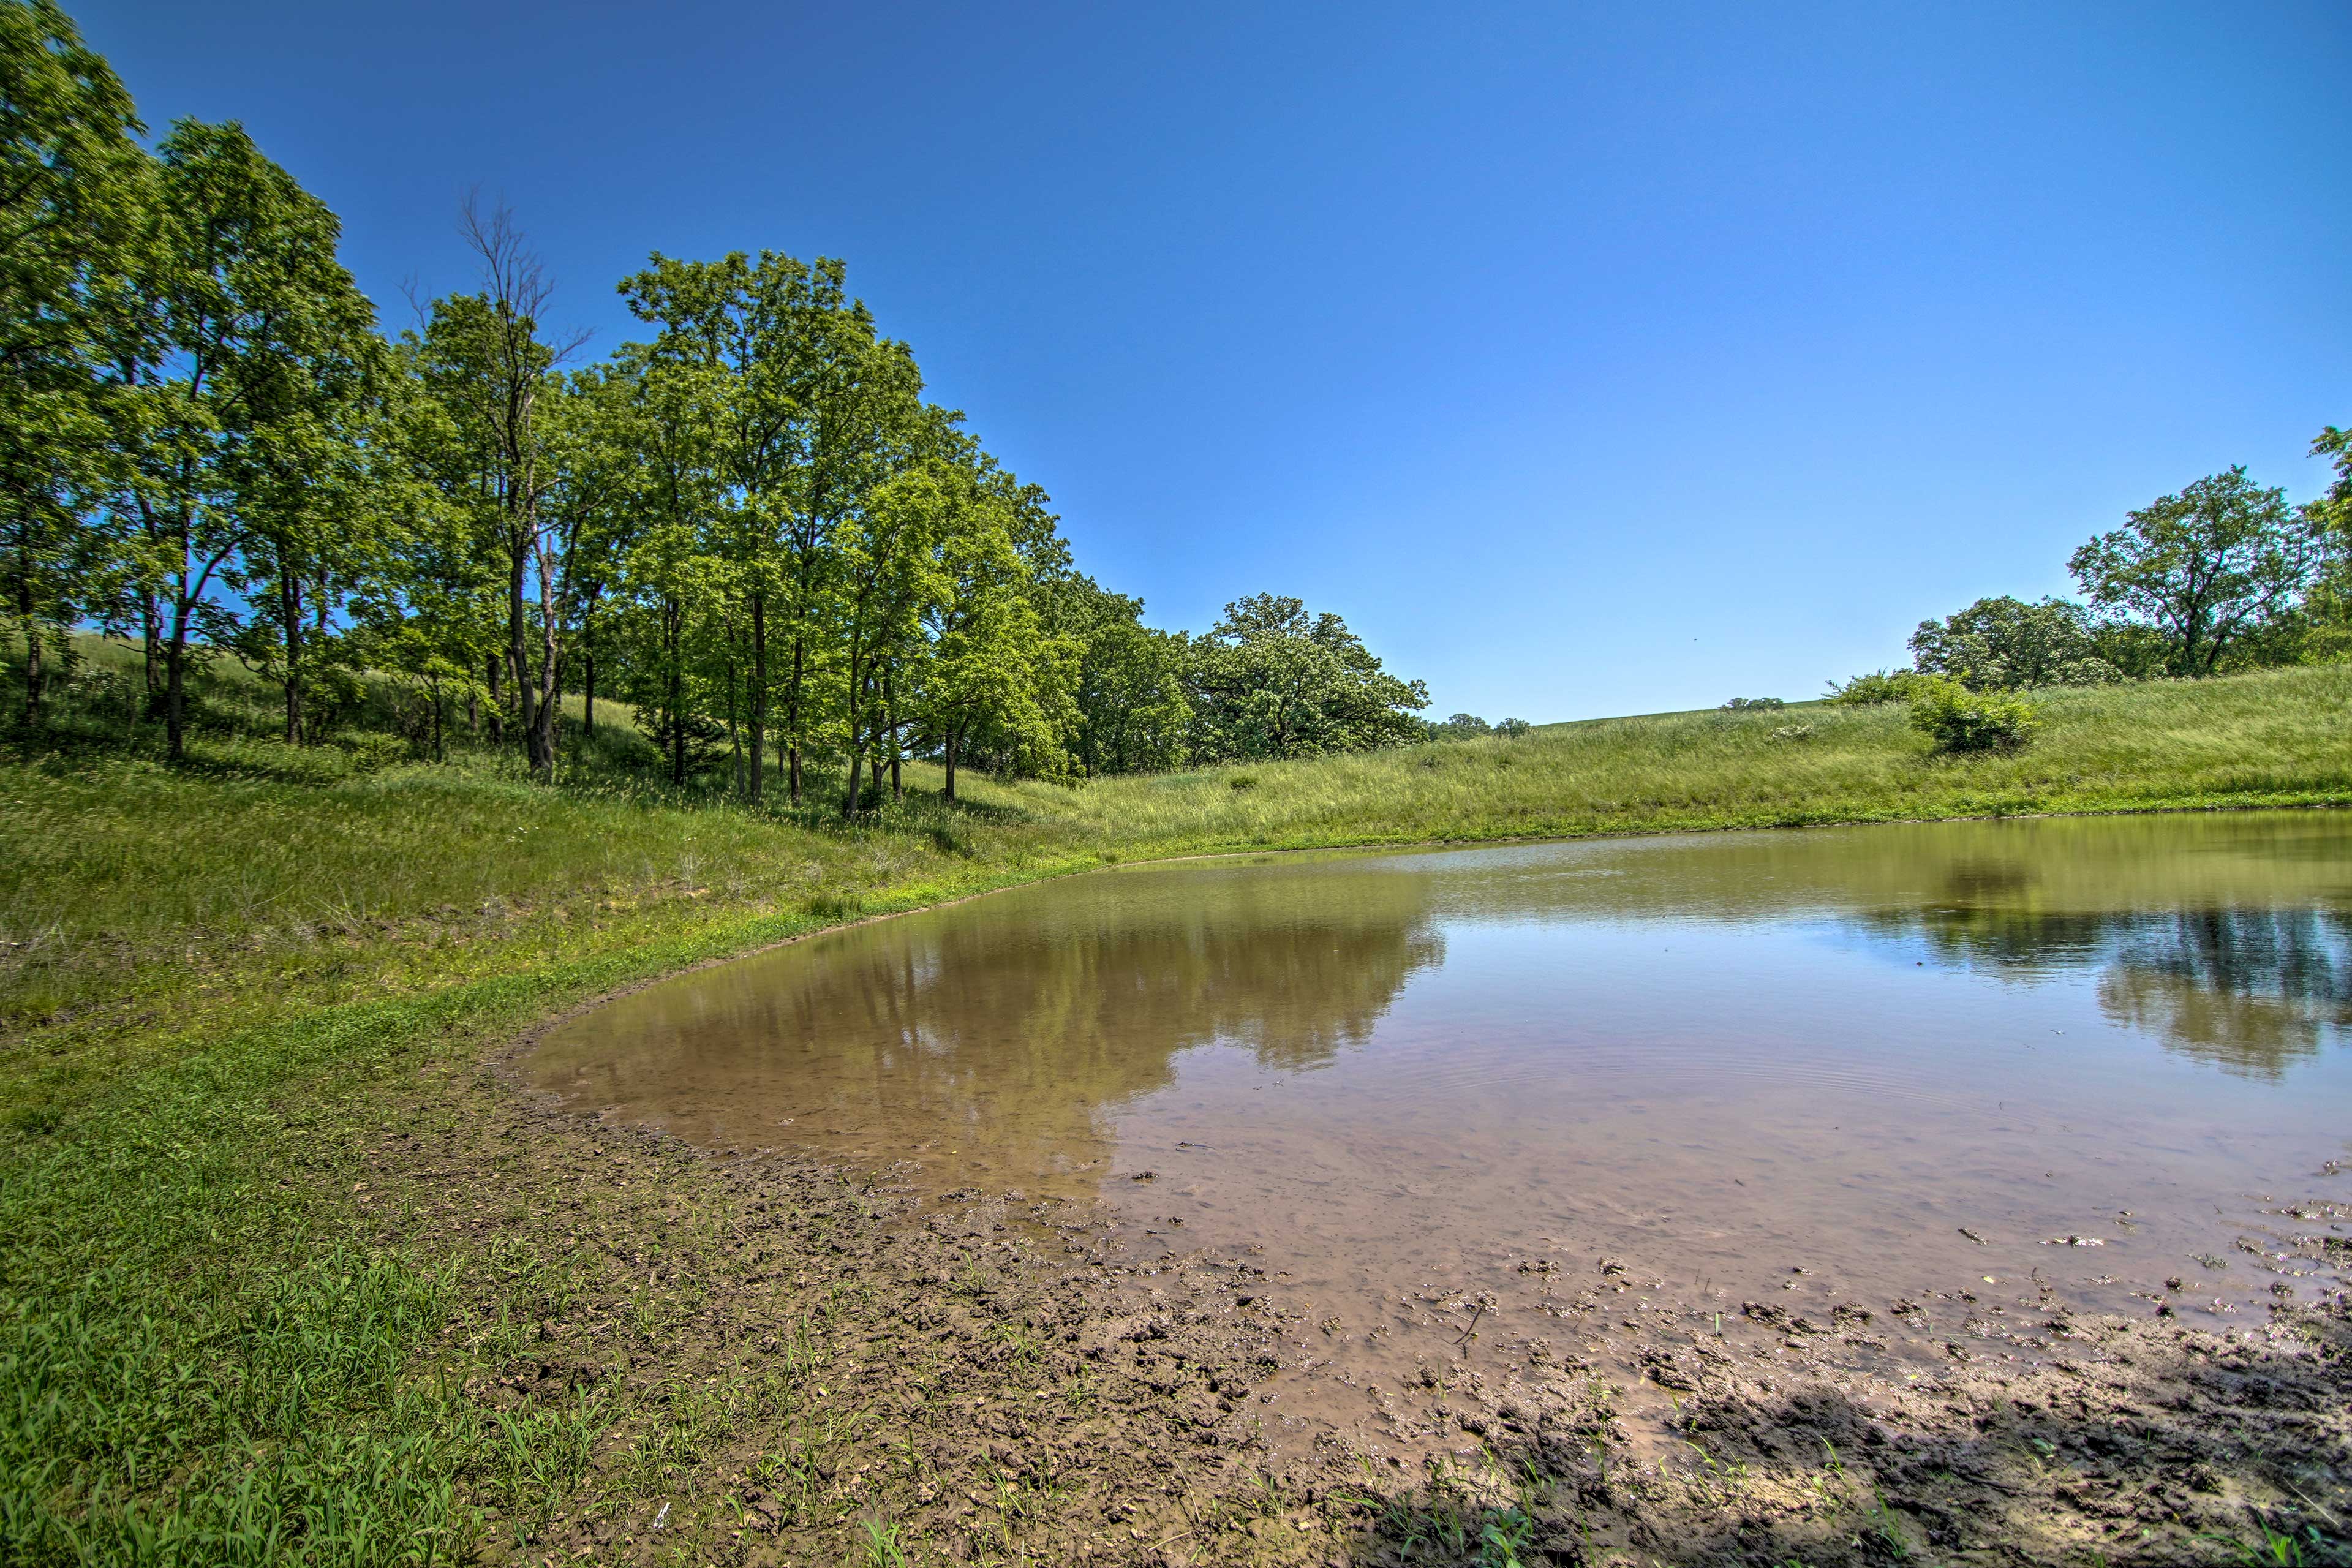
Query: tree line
{"points": [[750, 526], [2225, 576]]}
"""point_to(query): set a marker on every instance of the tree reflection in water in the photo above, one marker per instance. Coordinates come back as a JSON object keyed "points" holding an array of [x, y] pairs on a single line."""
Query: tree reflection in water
{"points": [[2248, 990], [1007, 1028]]}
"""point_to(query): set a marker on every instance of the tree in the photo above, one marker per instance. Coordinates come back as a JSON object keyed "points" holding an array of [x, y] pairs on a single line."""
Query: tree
{"points": [[1269, 680], [2206, 569], [1460, 727], [245, 389], [993, 678], [2006, 644], [486, 356], [1132, 713], [889, 582], [73, 191], [2330, 519]]}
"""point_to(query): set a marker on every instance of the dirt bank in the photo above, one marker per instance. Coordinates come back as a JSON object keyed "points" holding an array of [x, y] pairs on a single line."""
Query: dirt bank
{"points": [[759, 1360]]}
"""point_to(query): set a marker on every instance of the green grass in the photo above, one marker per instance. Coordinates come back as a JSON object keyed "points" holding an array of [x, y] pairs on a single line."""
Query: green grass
{"points": [[218, 979]]}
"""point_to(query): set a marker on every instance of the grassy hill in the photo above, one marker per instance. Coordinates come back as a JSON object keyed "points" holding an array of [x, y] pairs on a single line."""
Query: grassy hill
{"points": [[222, 986]]}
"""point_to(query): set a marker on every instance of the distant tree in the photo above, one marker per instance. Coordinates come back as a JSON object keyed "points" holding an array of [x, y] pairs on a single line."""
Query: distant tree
{"points": [[1512, 729], [1460, 727], [1753, 704], [2205, 569], [2006, 644], [1270, 680]]}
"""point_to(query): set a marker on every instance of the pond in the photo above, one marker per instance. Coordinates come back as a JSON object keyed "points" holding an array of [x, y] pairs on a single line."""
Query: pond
{"points": [[2054, 1060]]}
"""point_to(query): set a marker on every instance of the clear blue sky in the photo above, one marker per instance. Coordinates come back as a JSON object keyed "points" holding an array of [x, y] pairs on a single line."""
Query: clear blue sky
{"points": [[1588, 360]]}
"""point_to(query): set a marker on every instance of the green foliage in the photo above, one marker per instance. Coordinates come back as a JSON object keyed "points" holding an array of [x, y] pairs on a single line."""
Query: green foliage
{"points": [[751, 527], [1877, 686], [72, 201], [2205, 570], [1270, 680], [2006, 645], [1460, 727], [2329, 606], [1959, 719], [1754, 705]]}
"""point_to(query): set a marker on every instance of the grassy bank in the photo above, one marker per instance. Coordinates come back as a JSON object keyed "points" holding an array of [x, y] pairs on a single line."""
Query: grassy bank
{"points": [[241, 997]]}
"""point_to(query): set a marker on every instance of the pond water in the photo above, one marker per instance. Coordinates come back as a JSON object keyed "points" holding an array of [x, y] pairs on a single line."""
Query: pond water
{"points": [[1849, 1062]]}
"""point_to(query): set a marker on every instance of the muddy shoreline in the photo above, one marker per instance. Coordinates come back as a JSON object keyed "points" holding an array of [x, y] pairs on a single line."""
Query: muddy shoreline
{"points": [[984, 1377]]}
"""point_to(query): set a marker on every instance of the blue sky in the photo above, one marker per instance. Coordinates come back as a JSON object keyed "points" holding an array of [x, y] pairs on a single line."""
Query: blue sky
{"points": [[1588, 360]]}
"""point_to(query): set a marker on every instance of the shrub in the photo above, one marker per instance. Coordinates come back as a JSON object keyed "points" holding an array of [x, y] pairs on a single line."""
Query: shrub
{"points": [[371, 749], [1512, 729], [1879, 686], [1753, 704], [1959, 719], [1794, 733], [1240, 781]]}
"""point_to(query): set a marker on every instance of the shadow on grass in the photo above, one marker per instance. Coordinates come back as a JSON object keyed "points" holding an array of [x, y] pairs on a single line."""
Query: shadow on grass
{"points": [[2206, 1455]]}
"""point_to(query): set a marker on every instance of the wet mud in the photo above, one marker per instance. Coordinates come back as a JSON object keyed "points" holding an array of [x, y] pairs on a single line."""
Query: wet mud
{"points": [[1969, 1192], [994, 1377]]}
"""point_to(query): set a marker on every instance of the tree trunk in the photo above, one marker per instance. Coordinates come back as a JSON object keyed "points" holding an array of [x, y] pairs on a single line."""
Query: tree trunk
{"points": [[151, 648], [175, 687], [588, 693], [792, 724], [497, 704], [759, 691], [518, 650], [289, 617], [955, 744], [849, 803], [32, 627], [734, 738], [897, 740], [540, 735], [672, 615]]}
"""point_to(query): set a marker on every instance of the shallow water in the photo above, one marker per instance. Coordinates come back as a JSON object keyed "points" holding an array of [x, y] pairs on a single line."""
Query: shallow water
{"points": [[1409, 1079]]}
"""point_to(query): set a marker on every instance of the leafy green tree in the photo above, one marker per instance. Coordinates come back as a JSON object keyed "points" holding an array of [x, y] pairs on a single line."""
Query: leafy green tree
{"points": [[889, 582], [1128, 689], [2205, 570], [750, 329], [1460, 727], [488, 357], [2006, 644], [993, 678], [73, 193], [245, 387], [1270, 680]]}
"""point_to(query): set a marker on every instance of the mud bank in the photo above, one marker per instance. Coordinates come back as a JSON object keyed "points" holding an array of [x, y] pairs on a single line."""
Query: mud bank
{"points": [[762, 1361]]}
